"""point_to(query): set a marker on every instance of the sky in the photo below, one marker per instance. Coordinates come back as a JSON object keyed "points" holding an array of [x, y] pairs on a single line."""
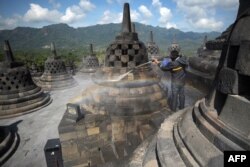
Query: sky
{"points": [[186, 15]]}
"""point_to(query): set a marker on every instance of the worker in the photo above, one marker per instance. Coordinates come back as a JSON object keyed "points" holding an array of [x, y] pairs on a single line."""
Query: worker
{"points": [[176, 65]]}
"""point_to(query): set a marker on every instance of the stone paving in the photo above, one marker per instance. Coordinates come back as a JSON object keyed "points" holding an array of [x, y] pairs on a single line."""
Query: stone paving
{"points": [[37, 127]]}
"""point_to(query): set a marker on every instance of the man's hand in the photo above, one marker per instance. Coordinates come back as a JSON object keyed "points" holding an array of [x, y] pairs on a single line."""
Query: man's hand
{"points": [[155, 61]]}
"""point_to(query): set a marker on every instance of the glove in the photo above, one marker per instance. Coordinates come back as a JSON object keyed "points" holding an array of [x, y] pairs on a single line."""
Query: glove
{"points": [[165, 62]]}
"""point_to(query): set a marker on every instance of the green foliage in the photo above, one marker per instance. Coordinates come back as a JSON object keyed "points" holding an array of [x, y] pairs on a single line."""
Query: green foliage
{"points": [[71, 56]]}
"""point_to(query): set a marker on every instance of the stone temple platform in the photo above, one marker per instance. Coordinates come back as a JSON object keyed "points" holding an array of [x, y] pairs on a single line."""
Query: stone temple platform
{"points": [[45, 123]]}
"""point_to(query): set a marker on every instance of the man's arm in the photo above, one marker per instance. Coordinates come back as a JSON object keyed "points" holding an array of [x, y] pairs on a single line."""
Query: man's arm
{"points": [[165, 65]]}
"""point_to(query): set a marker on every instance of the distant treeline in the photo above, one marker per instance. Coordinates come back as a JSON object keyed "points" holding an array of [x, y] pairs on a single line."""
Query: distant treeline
{"points": [[39, 56]]}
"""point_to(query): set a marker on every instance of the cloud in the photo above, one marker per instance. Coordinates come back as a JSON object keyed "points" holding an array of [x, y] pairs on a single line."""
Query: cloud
{"points": [[201, 15], [77, 12], [170, 25], [156, 3], [135, 16], [165, 15], [72, 14], [8, 23], [37, 13], [86, 5], [110, 17], [207, 24], [55, 4], [145, 11], [225, 4]]}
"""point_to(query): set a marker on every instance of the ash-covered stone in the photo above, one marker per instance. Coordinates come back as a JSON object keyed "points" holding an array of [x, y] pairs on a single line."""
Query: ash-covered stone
{"points": [[18, 93]]}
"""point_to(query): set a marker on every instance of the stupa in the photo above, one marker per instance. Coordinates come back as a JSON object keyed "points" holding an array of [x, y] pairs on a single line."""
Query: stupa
{"points": [[109, 120], [152, 48], [91, 62], [18, 93], [199, 135], [202, 67], [55, 76]]}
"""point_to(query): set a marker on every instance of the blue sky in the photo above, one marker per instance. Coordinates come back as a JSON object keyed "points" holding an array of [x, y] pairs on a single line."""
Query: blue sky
{"points": [[186, 15]]}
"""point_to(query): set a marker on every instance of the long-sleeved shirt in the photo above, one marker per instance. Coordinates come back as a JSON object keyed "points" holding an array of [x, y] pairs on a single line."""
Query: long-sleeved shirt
{"points": [[177, 69]]}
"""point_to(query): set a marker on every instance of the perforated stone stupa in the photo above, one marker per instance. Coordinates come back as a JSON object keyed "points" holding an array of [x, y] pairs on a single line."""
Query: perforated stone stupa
{"points": [[18, 93], [126, 106], [55, 75], [152, 48], [91, 62]]}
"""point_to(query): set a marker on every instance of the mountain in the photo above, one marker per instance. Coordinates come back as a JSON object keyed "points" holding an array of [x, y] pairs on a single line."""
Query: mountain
{"points": [[64, 36]]}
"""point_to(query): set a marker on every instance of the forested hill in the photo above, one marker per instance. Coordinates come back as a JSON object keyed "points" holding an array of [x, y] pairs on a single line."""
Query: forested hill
{"points": [[64, 36]]}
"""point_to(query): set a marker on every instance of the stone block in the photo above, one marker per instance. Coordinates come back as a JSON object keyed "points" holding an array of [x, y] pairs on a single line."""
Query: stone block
{"points": [[81, 133], [90, 124], [118, 64], [131, 64], [130, 76], [118, 130], [67, 136], [156, 88], [121, 101], [113, 92], [103, 127], [130, 126], [97, 98], [131, 52], [104, 136], [163, 102], [70, 150], [133, 92], [93, 131]]}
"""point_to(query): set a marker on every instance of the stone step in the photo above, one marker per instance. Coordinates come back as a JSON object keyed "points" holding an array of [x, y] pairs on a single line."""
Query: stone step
{"points": [[166, 151], [9, 146], [44, 101], [201, 149]]}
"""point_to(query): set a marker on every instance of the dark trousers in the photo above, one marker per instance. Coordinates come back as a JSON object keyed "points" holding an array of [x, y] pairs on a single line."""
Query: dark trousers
{"points": [[177, 91]]}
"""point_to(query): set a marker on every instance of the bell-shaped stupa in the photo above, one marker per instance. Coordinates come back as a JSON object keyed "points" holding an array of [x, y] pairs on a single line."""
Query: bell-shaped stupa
{"points": [[55, 76], [152, 48], [124, 107], [18, 93], [91, 62]]}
